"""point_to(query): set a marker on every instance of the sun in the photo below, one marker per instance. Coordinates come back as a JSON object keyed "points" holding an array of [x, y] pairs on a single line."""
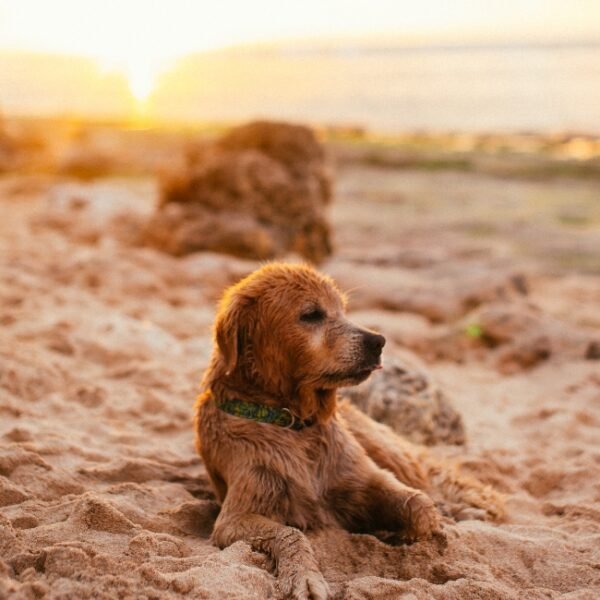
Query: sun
{"points": [[142, 81], [140, 72]]}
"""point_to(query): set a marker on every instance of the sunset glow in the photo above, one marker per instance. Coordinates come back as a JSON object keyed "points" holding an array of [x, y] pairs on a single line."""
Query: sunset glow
{"points": [[132, 47], [141, 38]]}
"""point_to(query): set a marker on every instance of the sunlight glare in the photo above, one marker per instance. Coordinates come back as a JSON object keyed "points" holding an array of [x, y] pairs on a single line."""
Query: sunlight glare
{"points": [[141, 39], [142, 80]]}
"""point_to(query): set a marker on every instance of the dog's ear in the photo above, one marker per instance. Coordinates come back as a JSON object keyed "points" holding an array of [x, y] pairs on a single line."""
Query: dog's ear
{"points": [[232, 327]]}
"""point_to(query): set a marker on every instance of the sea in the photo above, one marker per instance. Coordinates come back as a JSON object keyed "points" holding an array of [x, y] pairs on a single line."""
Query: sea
{"points": [[516, 87], [531, 87]]}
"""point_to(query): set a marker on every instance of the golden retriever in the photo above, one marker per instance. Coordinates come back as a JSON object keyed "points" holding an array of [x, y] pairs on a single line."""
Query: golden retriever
{"points": [[284, 455]]}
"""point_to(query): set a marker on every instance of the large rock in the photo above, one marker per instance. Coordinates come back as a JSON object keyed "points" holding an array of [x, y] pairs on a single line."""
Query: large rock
{"points": [[405, 397], [258, 192], [512, 335]]}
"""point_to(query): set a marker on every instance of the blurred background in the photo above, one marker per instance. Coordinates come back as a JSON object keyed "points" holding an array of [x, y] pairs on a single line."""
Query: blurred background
{"points": [[384, 65], [483, 116], [509, 90]]}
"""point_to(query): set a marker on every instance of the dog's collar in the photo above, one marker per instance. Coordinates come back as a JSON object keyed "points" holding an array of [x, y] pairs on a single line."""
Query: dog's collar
{"points": [[264, 414]]}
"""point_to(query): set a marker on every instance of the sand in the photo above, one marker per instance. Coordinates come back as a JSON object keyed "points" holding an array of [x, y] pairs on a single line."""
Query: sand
{"points": [[102, 345]]}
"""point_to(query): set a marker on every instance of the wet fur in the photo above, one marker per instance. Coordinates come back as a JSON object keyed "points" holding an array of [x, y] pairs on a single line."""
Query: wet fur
{"points": [[345, 470]]}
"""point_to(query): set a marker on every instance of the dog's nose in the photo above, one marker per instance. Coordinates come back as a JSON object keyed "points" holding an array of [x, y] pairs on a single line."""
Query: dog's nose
{"points": [[373, 343]]}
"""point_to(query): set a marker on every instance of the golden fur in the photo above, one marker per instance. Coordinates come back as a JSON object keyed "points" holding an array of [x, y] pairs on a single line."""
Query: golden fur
{"points": [[282, 340]]}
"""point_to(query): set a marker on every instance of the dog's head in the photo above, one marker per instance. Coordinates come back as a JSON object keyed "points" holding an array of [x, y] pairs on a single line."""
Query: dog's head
{"points": [[282, 331]]}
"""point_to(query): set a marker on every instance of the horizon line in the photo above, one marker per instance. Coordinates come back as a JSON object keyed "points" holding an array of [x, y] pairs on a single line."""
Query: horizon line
{"points": [[342, 44]]}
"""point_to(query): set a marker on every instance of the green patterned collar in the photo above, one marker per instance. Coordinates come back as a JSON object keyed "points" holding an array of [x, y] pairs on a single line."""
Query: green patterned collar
{"points": [[264, 414]]}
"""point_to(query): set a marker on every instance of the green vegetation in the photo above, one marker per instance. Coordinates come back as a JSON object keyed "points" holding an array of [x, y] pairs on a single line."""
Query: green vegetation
{"points": [[474, 331]]}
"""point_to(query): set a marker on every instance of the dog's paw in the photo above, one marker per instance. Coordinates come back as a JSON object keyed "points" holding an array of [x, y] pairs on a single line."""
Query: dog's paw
{"points": [[306, 585], [423, 520]]}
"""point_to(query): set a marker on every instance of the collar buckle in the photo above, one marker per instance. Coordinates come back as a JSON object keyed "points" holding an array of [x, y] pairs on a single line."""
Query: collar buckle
{"points": [[292, 417]]}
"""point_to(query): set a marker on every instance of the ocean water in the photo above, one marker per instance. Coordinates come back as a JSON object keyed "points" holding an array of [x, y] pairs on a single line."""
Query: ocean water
{"points": [[477, 88]]}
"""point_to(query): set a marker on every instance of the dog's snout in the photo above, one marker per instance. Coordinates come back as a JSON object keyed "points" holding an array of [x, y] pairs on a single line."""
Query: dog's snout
{"points": [[373, 342]]}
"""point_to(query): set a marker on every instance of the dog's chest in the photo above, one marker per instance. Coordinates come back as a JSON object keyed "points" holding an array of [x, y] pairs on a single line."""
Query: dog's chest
{"points": [[325, 455], [308, 465]]}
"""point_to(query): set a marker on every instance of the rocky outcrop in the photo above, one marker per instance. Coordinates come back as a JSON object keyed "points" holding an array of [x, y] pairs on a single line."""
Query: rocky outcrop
{"points": [[258, 192], [405, 397]]}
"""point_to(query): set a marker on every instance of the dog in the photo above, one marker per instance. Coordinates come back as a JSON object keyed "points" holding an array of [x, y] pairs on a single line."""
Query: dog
{"points": [[284, 455]]}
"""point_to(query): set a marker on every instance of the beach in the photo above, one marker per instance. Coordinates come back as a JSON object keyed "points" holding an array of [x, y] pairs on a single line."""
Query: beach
{"points": [[483, 262]]}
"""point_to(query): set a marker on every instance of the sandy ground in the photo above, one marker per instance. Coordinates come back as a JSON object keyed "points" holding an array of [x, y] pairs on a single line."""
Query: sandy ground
{"points": [[102, 346]]}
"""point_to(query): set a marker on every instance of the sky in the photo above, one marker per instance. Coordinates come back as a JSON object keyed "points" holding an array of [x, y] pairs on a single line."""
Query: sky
{"points": [[141, 38]]}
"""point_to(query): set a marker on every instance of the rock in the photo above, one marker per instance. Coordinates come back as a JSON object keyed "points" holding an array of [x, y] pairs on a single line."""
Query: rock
{"points": [[522, 336], [405, 397], [513, 335], [259, 192]]}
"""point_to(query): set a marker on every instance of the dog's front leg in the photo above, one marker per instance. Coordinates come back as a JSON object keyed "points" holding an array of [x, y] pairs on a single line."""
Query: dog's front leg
{"points": [[373, 500], [409, 514], [297, 569]]}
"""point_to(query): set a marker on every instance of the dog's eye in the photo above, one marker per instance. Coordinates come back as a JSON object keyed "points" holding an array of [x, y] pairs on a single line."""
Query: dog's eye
{"points": [[314, 315]]}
